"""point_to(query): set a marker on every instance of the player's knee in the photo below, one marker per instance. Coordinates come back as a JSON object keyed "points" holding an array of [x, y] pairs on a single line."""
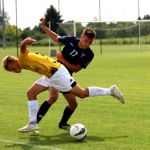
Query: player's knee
{"points": [[84, 94], [31, 94], [73, 105], [52, 99]]}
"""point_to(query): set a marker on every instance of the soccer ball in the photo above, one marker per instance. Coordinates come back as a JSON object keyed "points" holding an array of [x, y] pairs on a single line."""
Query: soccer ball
{"points": [[78, 131]]}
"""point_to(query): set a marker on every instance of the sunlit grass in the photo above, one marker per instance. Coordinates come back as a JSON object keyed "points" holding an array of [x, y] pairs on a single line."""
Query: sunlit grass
{"points": [[110, 124]]}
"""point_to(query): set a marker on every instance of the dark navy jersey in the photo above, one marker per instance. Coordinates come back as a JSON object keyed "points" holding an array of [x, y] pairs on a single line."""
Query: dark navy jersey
{"points": [[73, 54]]}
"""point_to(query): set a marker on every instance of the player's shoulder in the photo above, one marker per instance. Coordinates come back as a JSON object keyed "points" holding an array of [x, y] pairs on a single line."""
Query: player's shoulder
{"points": [[74, 38], [90, 50], [89, 53], [67, 38]]}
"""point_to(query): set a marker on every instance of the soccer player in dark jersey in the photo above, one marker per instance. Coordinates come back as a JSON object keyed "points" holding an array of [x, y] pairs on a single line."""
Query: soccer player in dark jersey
{"points": [[75, 55], [54, 75]]}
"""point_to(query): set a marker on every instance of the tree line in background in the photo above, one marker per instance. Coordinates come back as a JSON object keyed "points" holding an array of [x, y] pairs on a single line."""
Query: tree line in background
{"points": [[110, 33]]}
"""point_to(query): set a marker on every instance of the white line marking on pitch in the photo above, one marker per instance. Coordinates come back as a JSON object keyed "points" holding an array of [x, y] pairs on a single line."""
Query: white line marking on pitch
{"points": [[31, 145]]}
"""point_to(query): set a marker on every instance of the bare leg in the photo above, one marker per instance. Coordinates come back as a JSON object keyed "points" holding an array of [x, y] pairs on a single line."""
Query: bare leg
{"points": [[33, 107]]}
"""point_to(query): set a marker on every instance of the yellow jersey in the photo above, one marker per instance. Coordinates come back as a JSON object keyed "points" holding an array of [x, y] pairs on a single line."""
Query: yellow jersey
{"points": [[36, 62]]}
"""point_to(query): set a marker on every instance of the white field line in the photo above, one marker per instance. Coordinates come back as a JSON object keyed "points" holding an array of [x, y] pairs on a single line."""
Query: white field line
{"points": [[31, 145]]}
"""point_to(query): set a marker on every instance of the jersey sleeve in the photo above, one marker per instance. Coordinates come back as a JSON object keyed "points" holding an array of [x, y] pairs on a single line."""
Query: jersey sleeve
{"points": [[65, 39], [84, 60]]}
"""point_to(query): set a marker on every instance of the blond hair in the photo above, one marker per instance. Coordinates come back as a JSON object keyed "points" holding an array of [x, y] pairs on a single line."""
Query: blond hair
{"points": [[8, 60], [89, 32]]}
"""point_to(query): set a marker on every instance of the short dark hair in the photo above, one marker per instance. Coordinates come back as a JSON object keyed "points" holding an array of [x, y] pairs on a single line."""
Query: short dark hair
{"points": [[89, 32]]}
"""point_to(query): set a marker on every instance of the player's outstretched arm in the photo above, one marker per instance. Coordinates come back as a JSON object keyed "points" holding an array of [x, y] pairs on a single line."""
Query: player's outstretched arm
{"points": [[25, 42], [51, 34]]}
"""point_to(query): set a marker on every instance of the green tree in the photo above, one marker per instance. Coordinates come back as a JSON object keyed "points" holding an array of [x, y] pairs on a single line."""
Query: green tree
{"points": [[11, 32], [146, 17], [6, 18], [1, 25], [53, 18], [25, 33]]}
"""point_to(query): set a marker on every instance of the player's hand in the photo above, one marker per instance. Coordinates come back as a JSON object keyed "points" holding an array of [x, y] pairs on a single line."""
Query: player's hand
{"points": [[28, 41], [25, 42], [42, 22]]}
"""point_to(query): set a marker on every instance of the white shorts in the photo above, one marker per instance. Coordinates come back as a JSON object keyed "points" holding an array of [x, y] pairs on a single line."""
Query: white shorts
{"points": [[61, 80]]}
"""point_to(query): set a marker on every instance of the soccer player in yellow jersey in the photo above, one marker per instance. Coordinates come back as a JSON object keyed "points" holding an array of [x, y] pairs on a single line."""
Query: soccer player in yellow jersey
{"points": [[55, 75]]}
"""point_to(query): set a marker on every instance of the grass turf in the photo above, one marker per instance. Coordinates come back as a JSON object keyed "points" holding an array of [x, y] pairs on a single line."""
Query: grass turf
{"points": [[110, 124]]}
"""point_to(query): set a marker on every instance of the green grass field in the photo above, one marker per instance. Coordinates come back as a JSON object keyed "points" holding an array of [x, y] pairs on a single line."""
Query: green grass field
{"points": [[111, 125]]}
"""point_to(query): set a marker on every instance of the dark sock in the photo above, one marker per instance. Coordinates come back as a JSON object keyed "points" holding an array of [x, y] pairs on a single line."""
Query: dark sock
{"points": [[42, 110], [66, 115]]}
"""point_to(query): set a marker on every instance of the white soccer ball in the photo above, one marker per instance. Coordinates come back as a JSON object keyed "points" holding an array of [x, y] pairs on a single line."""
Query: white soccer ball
{"points": [[78, 131]]}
